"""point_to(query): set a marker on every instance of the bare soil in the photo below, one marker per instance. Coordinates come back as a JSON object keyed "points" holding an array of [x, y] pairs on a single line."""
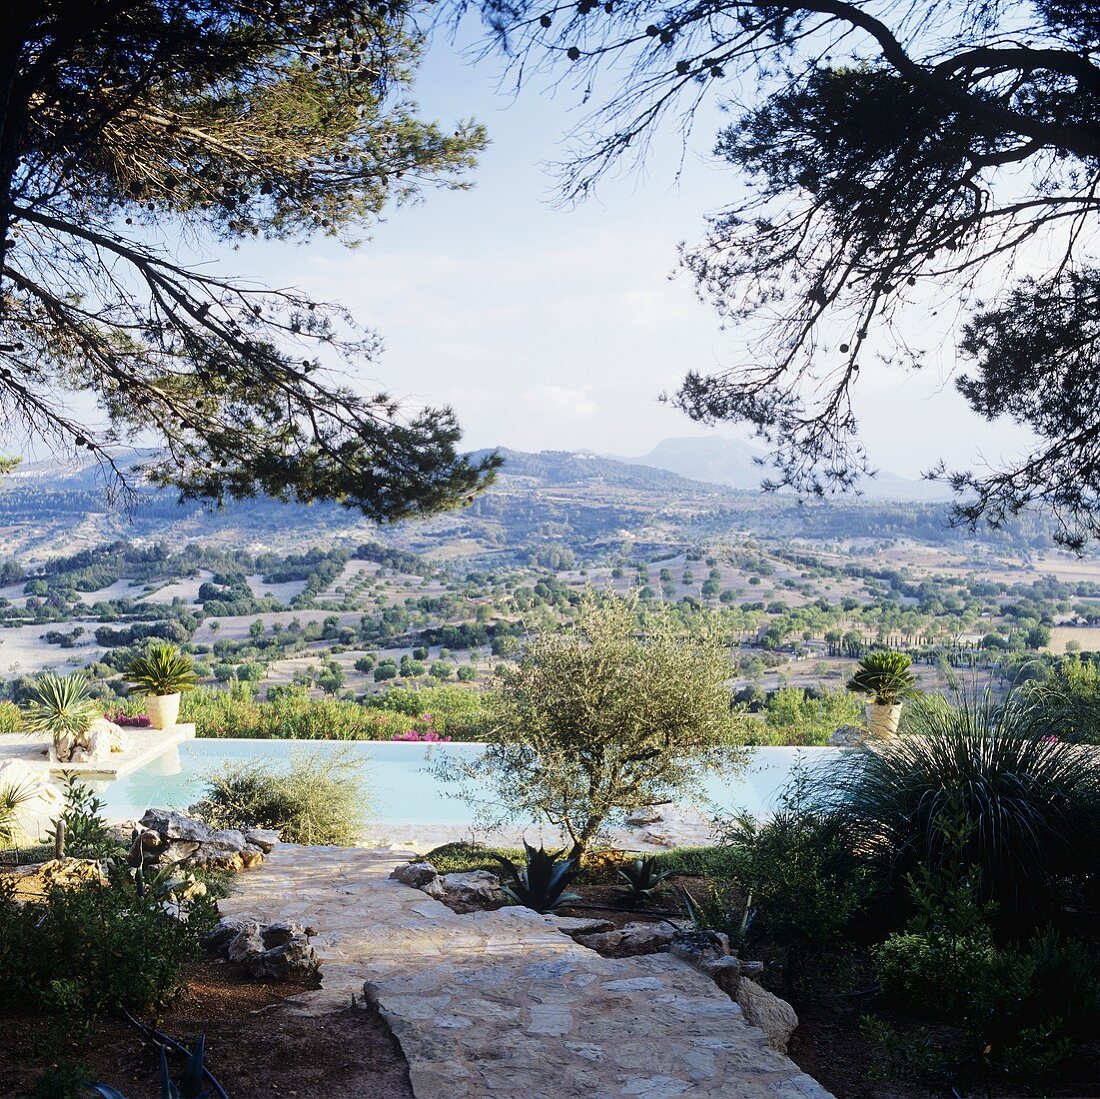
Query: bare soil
{"points": [[254, 1045]]}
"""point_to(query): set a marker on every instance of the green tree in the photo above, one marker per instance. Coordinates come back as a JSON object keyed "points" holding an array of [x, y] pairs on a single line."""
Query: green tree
{"points": [[602, 719], [122, 122], [898, 156]]}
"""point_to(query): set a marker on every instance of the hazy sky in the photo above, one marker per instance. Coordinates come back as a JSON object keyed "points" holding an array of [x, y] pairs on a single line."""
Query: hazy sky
{"points": [[551, 328]]}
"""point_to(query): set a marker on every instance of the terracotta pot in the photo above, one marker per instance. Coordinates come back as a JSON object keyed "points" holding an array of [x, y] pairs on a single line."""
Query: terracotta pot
{"points": [[883, 720], [163, 710]]}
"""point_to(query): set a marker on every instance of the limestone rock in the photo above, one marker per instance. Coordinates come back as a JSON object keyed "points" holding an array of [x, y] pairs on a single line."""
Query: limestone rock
{"points": [[848, 736], [247, 943], [266, 839], [577, 925], [175, 826], [634, 938], [225, 931], [651, 814], [474, 887], [774, 1016], [280, 933], [295, 958], [700, 948], [416, 874], [726, 973]]}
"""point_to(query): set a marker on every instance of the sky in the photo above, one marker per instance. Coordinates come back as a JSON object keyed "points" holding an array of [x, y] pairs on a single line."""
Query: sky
{"points": [[557, 328]]}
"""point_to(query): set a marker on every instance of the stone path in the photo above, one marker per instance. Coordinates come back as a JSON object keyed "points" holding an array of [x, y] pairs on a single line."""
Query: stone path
{"points": [[501, 1005]]}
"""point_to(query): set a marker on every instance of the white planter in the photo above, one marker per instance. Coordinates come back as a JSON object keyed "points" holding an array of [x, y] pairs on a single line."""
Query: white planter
{"points": [[163, 710], [883, 720]]}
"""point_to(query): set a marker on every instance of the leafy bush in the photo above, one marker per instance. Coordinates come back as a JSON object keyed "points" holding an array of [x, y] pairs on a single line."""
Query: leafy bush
{"points": [[96, 948], [86, 832], [1032, 805], [1067, 703], [793, 717], [933, 974], [11, 720], [315, 800], [799, 873]]}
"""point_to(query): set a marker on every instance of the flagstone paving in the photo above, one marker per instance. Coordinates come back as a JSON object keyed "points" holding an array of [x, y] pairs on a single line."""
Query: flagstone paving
{"points": [[502, 1005]]}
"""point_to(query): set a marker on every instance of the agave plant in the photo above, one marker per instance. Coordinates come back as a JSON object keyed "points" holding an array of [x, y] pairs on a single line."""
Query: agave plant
{"points": [[885, 677], [163, 670], [61, 707], [190, 1085], [642, 877], [541, 883]]}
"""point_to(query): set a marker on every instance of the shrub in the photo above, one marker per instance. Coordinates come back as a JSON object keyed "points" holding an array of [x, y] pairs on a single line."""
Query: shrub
{"points": [[1032, 805], [934, 974], [315, 800], [11, 720], [96, 948], [86, 832], [1067, 704], [799, 873]]}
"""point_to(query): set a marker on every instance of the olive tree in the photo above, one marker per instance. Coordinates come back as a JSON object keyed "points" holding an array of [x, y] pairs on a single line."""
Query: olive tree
{"points": [[618, 713]]}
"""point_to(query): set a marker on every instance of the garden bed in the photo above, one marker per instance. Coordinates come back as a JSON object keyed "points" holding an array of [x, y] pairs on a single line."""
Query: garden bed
{"points": [[255, 1045]]}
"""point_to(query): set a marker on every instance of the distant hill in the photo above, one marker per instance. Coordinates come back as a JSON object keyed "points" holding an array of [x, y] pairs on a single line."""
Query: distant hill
{"points": [[734, 463]]}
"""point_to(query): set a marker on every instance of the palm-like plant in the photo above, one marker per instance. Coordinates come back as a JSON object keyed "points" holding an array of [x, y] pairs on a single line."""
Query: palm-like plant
{"points": [[11, 798], [1029, 805], [885, 677], [643, 877], [61, 706], [162, 670]]}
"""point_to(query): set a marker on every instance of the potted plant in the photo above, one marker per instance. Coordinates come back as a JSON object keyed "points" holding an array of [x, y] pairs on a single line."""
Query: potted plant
{"points": [[163, 673], [62, 707], [886, 679]]}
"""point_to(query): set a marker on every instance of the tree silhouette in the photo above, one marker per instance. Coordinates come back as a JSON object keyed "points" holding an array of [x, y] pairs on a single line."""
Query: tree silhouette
{"points": [[900, 158], [130, 129]]}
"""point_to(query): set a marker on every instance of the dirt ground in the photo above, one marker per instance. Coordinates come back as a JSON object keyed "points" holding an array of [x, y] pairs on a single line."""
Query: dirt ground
{"points": [[254, 1046]]}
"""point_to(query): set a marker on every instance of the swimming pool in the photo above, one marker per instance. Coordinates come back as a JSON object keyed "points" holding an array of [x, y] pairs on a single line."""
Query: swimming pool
{"points": [[397, 785]]}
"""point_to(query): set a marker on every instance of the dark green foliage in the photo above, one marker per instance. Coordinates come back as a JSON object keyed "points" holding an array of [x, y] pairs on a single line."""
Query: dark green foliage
{"points": [[1032, 806], [287, 121], [461, 857], [86, 833], [799, 873], [542, 882], [642, 877], [885, 677], [315, 800], [96, 948], [1067, 703]]}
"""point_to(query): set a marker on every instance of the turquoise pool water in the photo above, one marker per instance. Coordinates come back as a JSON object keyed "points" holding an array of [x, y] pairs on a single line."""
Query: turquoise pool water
{"points": [[397, 784]]}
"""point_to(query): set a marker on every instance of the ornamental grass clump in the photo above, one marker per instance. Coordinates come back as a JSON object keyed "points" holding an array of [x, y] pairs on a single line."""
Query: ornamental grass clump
{"points": [[316, 799], [1031, 803]]}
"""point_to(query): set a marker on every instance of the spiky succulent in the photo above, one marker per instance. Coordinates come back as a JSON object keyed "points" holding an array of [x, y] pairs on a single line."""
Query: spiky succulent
{"points": [[61, 706], [885, 677], [163, 670], [643, 877], [541, 883]]}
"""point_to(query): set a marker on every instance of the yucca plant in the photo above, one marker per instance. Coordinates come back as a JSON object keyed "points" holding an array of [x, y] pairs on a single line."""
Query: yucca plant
{"points": [[541, 884], [1030, 803], [62, 707], [162, 670], [642, 877], [11, 798], [885, 677]]}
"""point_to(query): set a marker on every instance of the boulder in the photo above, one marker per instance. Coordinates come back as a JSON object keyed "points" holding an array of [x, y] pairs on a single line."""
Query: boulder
{"points": [[774, 1016], [295, 958], [171, 825], [416, 874], [264, 838], [279, 934], [650, 814], [634, 938], [577, 925], [247, 943], [224, 932], [700, 948], [475, 887]]}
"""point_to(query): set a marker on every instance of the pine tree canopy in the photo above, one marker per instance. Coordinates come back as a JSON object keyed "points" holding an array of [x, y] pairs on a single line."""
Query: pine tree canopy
{"points": [[133, 131], [923, 166]]}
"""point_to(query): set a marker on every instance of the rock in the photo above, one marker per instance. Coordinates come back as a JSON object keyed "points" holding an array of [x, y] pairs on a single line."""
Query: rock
{"points": [[755, 970], [473, 887], [175, 826], [726, 973], [416, 874], [774, 1016], [651, 814], [264, 838], [700, 948], [577, 925], [102, 739], [37, 881], [224, 932], [279, 934], [178, 851], [295, 958], [634, 938], [246, 943], [848, 736], [658, 837]]}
